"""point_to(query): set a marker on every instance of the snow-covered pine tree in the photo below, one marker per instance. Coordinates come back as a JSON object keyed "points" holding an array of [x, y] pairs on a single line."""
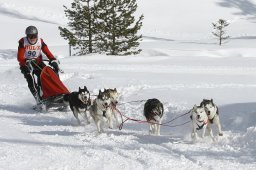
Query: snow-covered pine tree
{"points": [[118, 28], [81, 31], [219, 30]]}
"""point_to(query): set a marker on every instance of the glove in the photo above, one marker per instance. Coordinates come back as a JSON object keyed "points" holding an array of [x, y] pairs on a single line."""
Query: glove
{"points": [[54, 64], [25, 69]]}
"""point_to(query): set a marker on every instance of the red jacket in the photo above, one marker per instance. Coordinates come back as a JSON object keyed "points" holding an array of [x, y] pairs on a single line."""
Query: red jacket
{"points": [[21, 52]]}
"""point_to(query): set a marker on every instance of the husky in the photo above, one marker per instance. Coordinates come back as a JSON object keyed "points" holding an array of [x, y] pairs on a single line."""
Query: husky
{"points": [[212, 112], [79, 102], [100, 109], [113, 98], [200, 121], [153, 111]]}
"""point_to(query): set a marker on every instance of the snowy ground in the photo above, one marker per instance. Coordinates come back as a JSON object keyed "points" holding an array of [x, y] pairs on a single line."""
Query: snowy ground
{"points": [[179, 72]]}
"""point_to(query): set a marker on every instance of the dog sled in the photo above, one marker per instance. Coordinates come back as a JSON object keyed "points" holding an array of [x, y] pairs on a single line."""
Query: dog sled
{"points": [[51, 89]]}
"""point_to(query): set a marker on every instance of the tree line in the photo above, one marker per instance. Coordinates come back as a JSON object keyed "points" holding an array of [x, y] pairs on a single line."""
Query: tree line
{"points": [[108, 26]]}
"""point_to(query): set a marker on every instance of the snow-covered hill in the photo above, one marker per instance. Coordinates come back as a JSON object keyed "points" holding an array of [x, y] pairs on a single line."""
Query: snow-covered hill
{"points": [[174, 20], [180, 65], [192, 20]]}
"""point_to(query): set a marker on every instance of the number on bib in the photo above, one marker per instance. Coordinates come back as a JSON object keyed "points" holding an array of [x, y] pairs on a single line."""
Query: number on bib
{"points": [[31, 53]]}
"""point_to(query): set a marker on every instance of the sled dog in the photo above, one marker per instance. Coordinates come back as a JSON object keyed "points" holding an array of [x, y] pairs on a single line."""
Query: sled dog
{"points": [[153, 111], [100, 109], [113, 98], [79, 102], [200, 121], [212, 112]]}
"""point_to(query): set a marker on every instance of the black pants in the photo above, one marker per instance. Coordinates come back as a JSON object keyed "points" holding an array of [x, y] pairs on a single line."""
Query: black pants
{"points": [[29, 74]]}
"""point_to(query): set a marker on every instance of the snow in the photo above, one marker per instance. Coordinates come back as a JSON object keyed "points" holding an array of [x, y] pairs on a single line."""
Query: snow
{"points": [[181, 64]]}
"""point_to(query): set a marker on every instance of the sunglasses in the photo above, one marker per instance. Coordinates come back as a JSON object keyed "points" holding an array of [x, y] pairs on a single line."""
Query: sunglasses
{"points": [[32, 36]]}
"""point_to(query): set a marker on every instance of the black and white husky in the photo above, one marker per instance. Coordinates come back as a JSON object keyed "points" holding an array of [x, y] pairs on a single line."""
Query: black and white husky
{"points": [[153, 111], [79, 102], [100, 109], [200, 122], [212, 112]]}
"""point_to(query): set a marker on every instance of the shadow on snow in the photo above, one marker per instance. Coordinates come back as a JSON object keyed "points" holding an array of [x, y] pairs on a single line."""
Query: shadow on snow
{"points": [[246, 7]]}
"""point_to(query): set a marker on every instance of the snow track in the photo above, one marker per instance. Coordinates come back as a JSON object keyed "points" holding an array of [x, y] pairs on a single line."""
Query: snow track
{"points": [[33, 139]]}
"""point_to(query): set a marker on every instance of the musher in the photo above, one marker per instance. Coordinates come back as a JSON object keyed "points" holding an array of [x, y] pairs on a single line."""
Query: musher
{"points": [[31, 61]]}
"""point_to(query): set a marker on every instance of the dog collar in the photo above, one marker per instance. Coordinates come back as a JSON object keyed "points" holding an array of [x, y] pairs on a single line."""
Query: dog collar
{"points": [[205, 122]]}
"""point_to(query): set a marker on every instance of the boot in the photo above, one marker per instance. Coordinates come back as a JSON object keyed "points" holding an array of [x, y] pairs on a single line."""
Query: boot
{"points": [[40, 105], [37, 98]]}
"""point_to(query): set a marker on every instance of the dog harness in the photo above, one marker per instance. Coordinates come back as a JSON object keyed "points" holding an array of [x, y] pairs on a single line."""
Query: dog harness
{"points": [[200, 127], [95, 107], [153, 114], [84, 104]]}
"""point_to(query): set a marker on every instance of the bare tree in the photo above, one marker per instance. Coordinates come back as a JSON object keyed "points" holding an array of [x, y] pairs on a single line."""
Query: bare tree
{"points": [[219, 30]]}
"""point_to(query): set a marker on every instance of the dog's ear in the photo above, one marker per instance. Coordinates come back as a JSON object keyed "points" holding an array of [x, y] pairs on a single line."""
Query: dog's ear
{"points": [[85, 88], [195, 107], [115, 89], [212, 100], [79, 89], [202, 104]]}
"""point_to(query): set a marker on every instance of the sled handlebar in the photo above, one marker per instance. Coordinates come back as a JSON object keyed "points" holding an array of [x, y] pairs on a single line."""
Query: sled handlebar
{"points": [[59, 69], [31, 59]]}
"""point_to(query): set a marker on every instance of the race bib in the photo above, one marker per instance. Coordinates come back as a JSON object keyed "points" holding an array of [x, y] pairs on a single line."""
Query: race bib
{"points": [[32, 51]]}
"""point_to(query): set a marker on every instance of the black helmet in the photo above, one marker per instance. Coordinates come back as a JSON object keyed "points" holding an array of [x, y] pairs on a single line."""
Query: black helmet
{"points": [[31, 30]]}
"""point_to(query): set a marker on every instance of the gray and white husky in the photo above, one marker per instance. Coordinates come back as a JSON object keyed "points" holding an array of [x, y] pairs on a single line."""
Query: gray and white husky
{"points": [[114, 95], [100, 109], [200, 121], [212, 112], [153, 111]]}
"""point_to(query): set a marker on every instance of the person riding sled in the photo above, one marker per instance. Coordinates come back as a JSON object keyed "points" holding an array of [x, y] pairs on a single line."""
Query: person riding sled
{"points": [[31, 62]]}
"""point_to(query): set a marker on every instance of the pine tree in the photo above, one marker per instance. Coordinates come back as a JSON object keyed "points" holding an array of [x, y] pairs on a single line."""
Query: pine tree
{"points": [[219, 30], [81, 32], [118, 29]]}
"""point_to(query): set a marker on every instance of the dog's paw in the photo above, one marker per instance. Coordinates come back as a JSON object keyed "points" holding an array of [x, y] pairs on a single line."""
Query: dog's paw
{"points": [[194, 136], [214, 139], [150, 132]]}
